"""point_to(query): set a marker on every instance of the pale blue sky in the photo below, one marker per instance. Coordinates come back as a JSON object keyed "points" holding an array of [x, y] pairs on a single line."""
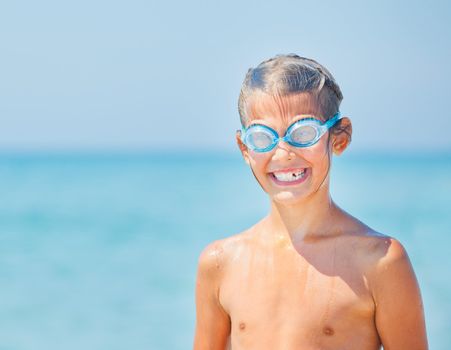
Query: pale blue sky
{"points": [[132, 75]]}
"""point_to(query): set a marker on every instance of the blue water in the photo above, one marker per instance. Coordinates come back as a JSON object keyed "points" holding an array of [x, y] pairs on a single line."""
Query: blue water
{"points": [[100, 252]]}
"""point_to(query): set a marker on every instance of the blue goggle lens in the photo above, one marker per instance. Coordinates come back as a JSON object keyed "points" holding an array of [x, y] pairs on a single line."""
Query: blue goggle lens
{"points": [[304, 134], [260, 139]]}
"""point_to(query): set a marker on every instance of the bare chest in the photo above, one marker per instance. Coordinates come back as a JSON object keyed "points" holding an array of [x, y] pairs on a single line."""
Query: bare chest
{"points": [[290, 302]]}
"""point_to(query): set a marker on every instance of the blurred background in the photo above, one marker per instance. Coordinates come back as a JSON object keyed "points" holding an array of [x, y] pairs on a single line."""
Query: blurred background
{"points": [[118, 162]]}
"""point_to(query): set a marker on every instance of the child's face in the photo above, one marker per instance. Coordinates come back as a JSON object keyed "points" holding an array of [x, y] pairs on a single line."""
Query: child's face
{"points": [[279, 112]]}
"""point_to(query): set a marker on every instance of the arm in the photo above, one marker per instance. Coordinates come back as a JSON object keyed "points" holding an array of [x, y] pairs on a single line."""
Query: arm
{"points": [[399, 309], [212, 322]]}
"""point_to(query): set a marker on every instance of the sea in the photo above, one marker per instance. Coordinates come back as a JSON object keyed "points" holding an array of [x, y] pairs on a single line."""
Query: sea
{"points": [[99, 251]]}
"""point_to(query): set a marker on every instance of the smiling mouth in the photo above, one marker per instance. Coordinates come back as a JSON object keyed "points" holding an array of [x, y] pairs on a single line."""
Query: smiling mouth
{"points": [[291, 177]]}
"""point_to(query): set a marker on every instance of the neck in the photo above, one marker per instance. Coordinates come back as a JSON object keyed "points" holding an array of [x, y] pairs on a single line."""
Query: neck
{"points": [[306, 220]]}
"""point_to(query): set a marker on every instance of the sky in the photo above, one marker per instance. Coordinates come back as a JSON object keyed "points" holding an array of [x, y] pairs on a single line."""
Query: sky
{"points": [[165, 76]]}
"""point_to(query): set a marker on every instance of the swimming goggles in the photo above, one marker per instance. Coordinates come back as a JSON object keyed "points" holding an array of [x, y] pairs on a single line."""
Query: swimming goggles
{"points": [[302, 133]]}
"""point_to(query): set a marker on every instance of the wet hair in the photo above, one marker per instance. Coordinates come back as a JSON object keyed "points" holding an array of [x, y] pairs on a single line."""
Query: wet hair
{"points": [[290, 74]]}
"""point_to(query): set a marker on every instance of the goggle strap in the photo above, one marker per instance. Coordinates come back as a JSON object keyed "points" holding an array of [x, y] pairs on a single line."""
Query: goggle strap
{"points": [[333, 120]]}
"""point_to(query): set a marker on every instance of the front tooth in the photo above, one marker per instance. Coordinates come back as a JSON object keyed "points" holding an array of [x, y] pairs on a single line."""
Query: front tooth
{"points": [[289, 176], [281, 177]]}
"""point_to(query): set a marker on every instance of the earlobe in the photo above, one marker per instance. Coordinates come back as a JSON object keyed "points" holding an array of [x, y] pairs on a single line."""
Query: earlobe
{"points": [[337, 149]]}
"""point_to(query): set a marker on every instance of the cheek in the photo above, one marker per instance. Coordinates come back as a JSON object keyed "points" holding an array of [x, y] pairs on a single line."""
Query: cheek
{"points": [[258, 160], [314, 154], [317, 156]]}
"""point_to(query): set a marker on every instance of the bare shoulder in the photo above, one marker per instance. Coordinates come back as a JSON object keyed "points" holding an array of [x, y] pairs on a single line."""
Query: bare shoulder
{"points": [[388, 250], [387, 256], [381, 258], [369, 246], [381, 250], [215, 257]]}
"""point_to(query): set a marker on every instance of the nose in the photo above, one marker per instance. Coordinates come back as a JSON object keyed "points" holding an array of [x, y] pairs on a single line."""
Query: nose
{"points": [[283, 150]]}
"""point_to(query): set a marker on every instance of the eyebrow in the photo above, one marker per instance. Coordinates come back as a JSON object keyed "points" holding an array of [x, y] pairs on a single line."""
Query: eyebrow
{"points": [[306, 116]]}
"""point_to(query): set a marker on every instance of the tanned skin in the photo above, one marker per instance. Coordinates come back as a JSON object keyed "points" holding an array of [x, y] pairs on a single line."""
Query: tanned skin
{"points": [[308, 276]]}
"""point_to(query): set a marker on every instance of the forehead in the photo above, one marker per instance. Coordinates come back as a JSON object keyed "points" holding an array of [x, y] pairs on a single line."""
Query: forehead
{"points": [[281, 109]]}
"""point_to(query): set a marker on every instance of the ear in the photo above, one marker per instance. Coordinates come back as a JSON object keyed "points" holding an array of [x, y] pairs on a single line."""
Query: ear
{"points": [[242, 147], [342, 136]]}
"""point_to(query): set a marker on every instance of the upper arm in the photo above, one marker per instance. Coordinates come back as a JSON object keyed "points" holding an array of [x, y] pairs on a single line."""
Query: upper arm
{"points": [[212, 322], [399, 308]]}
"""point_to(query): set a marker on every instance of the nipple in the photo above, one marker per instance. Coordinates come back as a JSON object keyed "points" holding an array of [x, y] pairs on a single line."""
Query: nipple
{"points": [[328, 330], [242, 326]]}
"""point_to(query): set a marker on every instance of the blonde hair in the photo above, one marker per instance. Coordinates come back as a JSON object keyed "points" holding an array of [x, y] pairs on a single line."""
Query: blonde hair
{"points": [[291, 74]]}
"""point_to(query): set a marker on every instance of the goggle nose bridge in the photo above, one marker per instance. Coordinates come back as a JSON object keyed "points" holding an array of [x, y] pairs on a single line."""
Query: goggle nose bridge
{"points": [[277, 140], [285, 138]]}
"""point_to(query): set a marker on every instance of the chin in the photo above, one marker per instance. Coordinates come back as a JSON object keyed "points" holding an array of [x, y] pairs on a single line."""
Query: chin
{"points": [[288, 198]]}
